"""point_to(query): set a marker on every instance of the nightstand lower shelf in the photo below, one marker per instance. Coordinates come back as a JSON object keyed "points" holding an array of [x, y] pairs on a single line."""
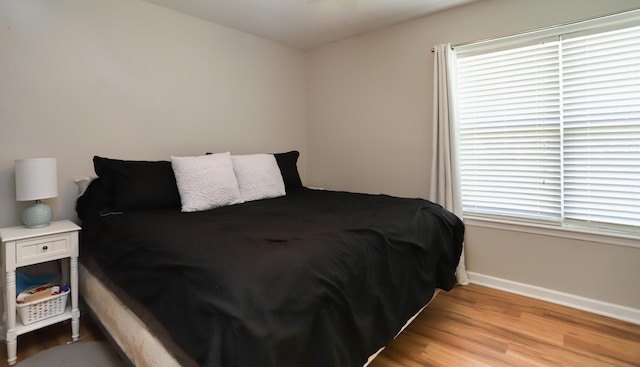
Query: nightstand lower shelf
{"points": [[23, 329]]}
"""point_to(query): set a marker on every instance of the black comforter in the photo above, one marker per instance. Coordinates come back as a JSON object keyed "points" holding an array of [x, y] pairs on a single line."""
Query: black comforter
{"points": [[315, 278]]}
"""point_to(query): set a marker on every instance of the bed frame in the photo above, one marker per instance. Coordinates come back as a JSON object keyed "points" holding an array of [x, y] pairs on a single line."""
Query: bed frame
{"points": [[130, 336]]}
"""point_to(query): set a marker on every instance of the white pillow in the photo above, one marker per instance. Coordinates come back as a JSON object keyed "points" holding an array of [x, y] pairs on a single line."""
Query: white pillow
{"points": [[83, 183], [206, 182], [258, 176]]}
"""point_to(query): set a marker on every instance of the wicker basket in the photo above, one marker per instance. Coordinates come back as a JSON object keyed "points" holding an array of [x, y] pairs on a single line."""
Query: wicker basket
{"points": [[43, 308]]}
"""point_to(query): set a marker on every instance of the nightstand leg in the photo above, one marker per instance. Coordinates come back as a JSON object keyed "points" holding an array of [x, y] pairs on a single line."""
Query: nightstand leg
{"points": [[75, 311], [10, 304], [12, 351]]}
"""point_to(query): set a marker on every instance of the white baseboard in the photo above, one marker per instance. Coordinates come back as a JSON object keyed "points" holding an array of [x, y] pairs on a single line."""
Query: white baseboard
{"points": [[566, 299]]}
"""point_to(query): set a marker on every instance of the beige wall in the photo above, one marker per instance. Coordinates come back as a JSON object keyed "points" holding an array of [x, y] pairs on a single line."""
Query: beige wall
{"points": [[369, 129], [128, 79]]}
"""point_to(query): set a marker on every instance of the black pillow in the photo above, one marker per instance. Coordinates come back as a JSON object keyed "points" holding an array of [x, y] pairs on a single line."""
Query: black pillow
{"points": [[138, 185], [288, 164]]}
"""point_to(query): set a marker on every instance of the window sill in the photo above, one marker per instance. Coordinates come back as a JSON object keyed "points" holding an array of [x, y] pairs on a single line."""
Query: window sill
{"points": [[604, 237]]}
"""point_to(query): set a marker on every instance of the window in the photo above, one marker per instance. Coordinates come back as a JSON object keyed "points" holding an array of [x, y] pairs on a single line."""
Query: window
{"points": [[550, 131]]}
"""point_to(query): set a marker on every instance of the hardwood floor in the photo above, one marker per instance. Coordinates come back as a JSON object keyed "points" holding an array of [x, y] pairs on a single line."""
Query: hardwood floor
{"points": [[478, 326], [469, 326], [52, 336]]}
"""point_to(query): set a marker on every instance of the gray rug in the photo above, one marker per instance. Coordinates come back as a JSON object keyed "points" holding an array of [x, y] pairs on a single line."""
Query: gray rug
{"points": [[88, 354]]}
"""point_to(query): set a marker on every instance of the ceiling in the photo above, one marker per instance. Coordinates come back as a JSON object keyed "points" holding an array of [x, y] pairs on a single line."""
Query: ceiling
{"points": [[305, 24]]}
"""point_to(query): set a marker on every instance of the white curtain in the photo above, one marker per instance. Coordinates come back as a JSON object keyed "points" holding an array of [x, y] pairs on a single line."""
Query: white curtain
{"points": [[445, 170]]}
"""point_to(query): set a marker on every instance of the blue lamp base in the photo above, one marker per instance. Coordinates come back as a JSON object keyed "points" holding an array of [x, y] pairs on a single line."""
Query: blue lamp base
{"points": [[38, 215]]}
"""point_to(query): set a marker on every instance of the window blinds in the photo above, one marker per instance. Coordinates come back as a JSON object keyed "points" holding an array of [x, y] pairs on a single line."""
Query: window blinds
{"points": [[601, 112], [551, 132], [510, 132]]}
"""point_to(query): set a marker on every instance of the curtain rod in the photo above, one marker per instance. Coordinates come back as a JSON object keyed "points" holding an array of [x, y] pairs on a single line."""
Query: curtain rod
{"points": [[543, 29]]}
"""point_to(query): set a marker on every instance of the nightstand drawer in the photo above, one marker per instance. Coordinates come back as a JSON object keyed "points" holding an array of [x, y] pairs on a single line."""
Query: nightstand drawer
{"points": [[43, 248]]}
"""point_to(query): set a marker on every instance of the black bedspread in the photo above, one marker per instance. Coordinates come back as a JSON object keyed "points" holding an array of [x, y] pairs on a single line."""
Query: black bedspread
{"points": [[315, 278]]}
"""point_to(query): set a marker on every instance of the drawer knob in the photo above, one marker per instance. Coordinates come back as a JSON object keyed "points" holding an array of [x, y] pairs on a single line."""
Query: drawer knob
{"points": [[45, 248]]}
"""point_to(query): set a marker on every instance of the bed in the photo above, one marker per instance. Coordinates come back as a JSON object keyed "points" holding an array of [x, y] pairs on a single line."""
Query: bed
{"points": [[303, 278]]}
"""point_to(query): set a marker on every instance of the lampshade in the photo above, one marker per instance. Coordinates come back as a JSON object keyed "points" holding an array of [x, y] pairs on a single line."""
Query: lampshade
{"points": [[36, 179]]}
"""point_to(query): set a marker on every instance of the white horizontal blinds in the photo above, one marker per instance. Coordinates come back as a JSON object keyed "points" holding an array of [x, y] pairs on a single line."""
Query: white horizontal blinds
{"points": [[509, 126], [601, 92]]}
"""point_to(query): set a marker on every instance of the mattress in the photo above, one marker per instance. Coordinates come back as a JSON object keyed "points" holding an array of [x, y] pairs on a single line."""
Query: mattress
{"points": [[315, 278]]}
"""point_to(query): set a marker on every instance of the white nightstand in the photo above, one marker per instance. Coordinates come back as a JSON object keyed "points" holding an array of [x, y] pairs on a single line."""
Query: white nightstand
{"points": [[22, 246]]}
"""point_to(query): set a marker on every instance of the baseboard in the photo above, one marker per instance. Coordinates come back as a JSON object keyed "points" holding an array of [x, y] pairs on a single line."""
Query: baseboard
{"points": [[566, 299]]}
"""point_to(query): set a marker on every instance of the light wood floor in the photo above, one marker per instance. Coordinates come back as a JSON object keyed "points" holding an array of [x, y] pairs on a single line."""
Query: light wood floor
{"points": [[469, 326], [52, 336], [478, 326]]}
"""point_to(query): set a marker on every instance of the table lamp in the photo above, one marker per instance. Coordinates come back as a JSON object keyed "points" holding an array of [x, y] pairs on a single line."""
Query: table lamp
{"points": [[36, 179]]}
